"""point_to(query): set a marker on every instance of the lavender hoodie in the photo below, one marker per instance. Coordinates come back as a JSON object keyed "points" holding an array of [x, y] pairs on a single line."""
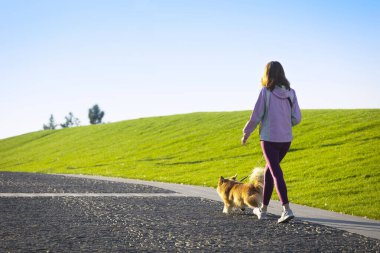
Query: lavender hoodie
{"points": [[275, 114]]}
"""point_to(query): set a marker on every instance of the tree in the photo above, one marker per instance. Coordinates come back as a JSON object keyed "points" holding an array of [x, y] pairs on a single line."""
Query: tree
{"points": [[51, 125], [70, 121], [95, 115]]}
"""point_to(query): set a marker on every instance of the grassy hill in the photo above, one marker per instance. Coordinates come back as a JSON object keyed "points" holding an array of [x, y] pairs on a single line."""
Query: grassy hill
{"points": [[334, 162]]}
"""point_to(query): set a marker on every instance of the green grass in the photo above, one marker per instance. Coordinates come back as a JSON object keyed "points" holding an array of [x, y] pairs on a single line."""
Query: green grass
{"points": [[333, 163]]}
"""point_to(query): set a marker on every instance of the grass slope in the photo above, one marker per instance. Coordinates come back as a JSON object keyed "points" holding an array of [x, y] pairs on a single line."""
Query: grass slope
{"points": [[333, 163]]}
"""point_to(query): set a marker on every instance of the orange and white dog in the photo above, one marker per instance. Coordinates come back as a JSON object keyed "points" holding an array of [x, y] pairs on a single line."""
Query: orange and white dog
{"points": [[236, 194]]}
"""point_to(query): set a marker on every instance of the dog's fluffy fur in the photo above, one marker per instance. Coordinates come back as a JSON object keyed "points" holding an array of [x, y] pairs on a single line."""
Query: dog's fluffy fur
{"points": [[236, 194]]}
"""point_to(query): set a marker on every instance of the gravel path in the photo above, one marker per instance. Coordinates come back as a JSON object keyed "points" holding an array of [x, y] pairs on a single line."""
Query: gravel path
{"points": [[147, 223]]}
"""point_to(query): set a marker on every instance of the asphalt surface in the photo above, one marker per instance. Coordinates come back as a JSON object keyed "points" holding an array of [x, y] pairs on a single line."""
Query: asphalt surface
{"points": [[145, 223]]}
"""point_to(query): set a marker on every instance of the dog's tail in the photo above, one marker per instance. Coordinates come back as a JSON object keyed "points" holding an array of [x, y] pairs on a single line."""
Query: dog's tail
{"points": [[257, 177]]}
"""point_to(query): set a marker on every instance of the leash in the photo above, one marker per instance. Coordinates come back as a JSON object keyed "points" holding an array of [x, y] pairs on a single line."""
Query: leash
{"points": [[241, 180], [257, 165]]}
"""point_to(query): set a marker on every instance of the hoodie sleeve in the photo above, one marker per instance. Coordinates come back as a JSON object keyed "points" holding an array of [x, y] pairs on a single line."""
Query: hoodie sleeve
{"points": [[296, 112], [257, 115]]}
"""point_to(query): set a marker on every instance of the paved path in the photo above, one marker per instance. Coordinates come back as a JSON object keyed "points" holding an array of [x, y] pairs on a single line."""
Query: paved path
{"points": [[353, 224], [76, 213]]}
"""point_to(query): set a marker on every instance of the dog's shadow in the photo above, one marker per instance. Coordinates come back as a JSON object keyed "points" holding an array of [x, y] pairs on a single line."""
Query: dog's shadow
{"points": [[248, 213]]}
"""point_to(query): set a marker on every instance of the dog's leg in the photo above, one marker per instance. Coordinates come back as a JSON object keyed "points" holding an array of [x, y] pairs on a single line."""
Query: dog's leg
{"points": [[227, 209], [254, 201]]}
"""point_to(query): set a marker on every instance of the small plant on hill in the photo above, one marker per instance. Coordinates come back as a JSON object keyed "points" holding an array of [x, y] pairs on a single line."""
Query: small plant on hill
{"points": [[95, 115], [51, 125], [70, 121]]}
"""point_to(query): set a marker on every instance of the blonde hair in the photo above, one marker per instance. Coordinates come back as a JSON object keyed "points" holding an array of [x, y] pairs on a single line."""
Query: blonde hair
{"points": [[274, 74]]}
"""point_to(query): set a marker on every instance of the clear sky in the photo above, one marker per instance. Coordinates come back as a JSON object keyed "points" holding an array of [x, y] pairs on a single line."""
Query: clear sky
{"points": [[140, 58]]}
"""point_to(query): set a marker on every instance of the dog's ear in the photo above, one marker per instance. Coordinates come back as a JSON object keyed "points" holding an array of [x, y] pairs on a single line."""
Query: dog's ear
{"points": [[234, 177], [221, 179]]}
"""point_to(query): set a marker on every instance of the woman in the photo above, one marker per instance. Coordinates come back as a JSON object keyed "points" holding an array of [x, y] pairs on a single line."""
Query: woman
{"points": [[276, 110]]}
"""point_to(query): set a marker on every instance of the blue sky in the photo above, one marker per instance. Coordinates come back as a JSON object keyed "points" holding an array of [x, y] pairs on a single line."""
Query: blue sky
{"points": [[156, 57]]}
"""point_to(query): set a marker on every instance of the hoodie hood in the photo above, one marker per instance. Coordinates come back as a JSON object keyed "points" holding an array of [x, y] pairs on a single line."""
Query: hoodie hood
{"points": [[281, 92], [275, 116]]}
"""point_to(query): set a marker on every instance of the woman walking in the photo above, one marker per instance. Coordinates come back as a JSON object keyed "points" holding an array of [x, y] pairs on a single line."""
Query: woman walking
{"points": [[276, 110]]}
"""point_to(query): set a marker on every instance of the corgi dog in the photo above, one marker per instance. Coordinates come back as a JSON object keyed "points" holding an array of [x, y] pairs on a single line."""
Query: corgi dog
{"points": [[236, 194]]}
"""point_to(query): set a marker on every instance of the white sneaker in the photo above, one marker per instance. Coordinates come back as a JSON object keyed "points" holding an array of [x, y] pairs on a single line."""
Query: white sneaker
{"points": [[286, 216], [261, 215]]}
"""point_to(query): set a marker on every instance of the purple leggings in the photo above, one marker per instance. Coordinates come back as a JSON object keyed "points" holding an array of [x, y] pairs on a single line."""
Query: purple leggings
{"points": [[274, 152]]}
